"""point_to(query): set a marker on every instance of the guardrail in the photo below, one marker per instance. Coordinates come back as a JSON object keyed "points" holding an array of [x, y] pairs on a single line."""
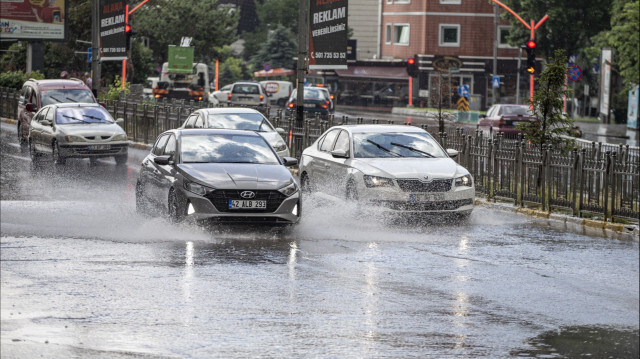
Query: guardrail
{"points": [[596, 179]]}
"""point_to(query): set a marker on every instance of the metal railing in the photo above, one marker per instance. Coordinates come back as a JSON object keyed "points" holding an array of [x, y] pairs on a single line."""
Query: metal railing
{"points": [[598, 180]]}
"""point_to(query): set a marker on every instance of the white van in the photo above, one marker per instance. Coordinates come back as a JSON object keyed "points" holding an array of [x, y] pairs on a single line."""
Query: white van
{"points": [[277, 91]]}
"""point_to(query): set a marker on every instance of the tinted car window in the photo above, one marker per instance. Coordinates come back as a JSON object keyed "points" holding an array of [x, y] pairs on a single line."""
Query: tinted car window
{"points": [[249, 89], [342, 143], [48, 97], [327, 142], [240, 121], [226, 148], [159, 147]]}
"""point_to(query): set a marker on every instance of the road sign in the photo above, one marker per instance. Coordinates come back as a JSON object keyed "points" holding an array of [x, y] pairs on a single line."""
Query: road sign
{"points": [[574, 72], [463, 104], [267, 67], [463, 90], [496, 82], [89, 55]]}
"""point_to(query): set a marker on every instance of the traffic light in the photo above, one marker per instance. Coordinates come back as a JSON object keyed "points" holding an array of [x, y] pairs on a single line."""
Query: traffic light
{"points": [[128, 31], [412, 67], [531, 56]]}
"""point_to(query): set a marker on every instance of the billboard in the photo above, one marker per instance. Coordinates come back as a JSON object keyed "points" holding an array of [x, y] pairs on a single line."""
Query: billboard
{"points": [[606, 58], [113, 40], [180, 59], [33, 20], [328, 34]]}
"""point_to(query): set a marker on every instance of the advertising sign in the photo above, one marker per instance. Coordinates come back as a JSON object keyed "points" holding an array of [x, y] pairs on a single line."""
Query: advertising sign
{"points": [[328, 34], [113, 40], [606, 57], [33, 19], [180, 59], [632, 107]]}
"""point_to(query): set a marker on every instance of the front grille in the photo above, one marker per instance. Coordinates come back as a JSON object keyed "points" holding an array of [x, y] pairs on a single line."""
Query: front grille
{"points": [[84, 150], [425, 206], [220, 200], [414, 185], [93, 138]]}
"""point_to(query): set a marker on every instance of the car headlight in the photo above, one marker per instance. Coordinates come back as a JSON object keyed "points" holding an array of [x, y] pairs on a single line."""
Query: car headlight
{"points": [[289, 189], [120, 137], [280, 146], [374, 181], [73, 138], [464, 181], [197, 188]]}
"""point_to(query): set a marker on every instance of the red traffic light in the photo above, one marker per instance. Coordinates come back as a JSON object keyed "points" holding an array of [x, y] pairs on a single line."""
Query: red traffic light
{"points": [[127, 28], [411, 61], [531, 44]]}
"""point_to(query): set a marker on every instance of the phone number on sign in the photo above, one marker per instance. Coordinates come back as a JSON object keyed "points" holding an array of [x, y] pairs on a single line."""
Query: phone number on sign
{"points": [[330, 55]]}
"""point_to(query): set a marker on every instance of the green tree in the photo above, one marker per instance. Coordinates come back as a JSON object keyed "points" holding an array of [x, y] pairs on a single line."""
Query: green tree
{"points": [[15, 59], [143, 62], [271, 14], [230, 71], [165, 22], [277, 51], [547, 106], [624, 38]]}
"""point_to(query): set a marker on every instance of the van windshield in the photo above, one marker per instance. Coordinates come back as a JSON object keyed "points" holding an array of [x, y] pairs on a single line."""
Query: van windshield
{"points": [[48, 97]]}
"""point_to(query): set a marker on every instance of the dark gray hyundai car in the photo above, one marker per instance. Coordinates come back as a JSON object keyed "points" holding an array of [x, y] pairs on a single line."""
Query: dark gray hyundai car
{"points": [[229, 175]]}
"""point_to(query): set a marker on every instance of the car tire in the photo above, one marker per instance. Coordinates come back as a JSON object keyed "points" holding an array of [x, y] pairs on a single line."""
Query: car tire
{"points": [[121, 160], [177, 210], [58, 159]]}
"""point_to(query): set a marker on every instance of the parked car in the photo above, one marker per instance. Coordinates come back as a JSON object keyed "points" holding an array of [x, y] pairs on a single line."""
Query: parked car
{"points": [[247, 94], [505, 118], [36, 94], [315, 101], [70, 130], [278, 91], [229, 175], [220, 96], [239, 118], [399, 168]]}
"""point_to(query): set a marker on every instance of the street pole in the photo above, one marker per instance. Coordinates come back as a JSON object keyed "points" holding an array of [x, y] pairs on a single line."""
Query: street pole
{"points": [[303, 53], [518, 76], [495, 52], [95, 47]]}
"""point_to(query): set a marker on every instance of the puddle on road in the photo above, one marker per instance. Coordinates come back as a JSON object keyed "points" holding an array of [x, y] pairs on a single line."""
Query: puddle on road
{"points": [[583, 342]]}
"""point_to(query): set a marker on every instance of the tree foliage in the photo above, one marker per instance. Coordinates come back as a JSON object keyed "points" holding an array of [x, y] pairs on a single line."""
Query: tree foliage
{"points": [[272, 14], [165, 22], [277, 51], [624, 38], [548, 105]]}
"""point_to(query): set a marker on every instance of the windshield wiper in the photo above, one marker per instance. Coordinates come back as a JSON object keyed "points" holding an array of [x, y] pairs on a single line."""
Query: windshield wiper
{"points": [[413, 149], [75, 118], [70, 99], [384, 148], [51, 97], [97, 118]]}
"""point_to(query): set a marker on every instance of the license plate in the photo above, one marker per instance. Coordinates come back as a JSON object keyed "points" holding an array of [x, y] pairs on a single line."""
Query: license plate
{"points": [[426, 197], [99, 147], [244, 204]]}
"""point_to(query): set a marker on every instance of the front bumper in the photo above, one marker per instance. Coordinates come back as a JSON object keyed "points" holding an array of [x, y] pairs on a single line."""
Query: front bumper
{"points": [[87, 150], [280, 209], [457, 200]]}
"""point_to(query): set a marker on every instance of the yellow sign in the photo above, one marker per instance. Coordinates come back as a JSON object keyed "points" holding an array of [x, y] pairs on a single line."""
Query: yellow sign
{"points": [[463, 104]]}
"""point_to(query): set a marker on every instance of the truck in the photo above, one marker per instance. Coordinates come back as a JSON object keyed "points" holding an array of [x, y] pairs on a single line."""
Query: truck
{"points": [[180, 85]]}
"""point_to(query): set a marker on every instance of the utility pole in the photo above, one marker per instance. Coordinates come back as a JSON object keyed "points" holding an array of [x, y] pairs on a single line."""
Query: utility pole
{"points": [[496, 13], [303, 53], [95, 47]]}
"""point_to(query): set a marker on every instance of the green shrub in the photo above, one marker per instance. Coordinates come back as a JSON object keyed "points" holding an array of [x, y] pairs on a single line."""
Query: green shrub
{"points": [[15, 79]]}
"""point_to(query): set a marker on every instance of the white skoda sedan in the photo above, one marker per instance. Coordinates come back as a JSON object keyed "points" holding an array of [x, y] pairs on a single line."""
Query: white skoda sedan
{"points": [[399, 168]]}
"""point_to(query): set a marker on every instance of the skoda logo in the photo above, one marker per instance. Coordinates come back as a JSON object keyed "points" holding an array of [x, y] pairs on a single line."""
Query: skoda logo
{"points": [[247, 194], [425, 179]]}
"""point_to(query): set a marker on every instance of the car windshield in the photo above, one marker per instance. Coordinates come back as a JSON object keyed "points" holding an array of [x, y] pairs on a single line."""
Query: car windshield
{"points": [[226, 148], [515, 110], [49, 97], [82, 115], [239, 121], [396, 144]]}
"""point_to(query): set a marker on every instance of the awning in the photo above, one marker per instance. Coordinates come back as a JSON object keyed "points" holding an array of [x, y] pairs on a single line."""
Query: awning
{"points": [[376, 72], [274, 72]]}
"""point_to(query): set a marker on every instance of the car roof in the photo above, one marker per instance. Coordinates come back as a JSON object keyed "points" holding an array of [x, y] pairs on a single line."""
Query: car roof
{"points": [[368, 128], [210, 131], [214, 110], [60, 83]]}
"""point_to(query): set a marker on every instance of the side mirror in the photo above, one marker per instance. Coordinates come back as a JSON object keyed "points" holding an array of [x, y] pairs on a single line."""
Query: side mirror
{"points": [[31, 107], [289, 161], [280, 131], [452, 153], [163, 160], [46, 123], [339, 154], [120, 121]]}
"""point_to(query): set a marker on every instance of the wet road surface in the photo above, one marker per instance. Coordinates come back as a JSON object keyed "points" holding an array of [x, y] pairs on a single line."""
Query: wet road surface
{"points": [[84, 276]]}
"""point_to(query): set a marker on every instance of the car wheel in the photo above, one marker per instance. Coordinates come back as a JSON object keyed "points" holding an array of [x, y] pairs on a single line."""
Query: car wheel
{"points": [[55, 154], [121, 160], [177, 210], [352, 192], [305, 183]]}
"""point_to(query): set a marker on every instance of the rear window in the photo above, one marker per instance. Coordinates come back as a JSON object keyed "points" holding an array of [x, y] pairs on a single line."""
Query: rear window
{"points": [[248, 89], [48, 97]]}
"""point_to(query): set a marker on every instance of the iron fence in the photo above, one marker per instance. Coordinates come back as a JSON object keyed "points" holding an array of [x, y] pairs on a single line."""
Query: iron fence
{"points": [[592, 179]]}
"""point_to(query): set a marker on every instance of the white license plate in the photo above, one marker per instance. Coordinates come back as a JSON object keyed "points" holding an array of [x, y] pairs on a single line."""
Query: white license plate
{"points": [[426, 197], [99, 147], [243, 204]]}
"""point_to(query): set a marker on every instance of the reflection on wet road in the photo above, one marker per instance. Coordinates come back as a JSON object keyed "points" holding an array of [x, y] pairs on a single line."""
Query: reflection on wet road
{"points": [[84, 276]]}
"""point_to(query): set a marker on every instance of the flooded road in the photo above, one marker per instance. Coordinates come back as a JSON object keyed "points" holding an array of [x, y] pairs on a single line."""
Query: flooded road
{"points": [[84, 276]]}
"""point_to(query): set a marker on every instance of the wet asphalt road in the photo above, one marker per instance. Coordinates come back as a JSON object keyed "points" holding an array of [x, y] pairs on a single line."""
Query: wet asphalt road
{"points": [[84, 276]]}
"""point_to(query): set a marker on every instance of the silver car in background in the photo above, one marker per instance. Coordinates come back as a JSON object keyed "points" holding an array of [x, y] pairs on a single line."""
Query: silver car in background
{"points": [[399, 168]]}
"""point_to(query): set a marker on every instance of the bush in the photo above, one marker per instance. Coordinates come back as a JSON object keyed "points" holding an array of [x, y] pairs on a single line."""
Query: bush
{"points": [[115, 90], [15, 79]]}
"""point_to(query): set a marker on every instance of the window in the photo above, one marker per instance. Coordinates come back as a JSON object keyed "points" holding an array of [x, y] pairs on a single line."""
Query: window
{"points": [[449, 35], [342, 143], [170, 148], [450, 2], [388, 34], [401, 34], [327, 143], [503, 32], [190, 121], [198, 123], [402, 1], [159, 147]]}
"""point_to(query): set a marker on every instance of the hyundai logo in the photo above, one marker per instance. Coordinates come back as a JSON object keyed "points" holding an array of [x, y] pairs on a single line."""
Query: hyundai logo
{"points": [[247, 194]]}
